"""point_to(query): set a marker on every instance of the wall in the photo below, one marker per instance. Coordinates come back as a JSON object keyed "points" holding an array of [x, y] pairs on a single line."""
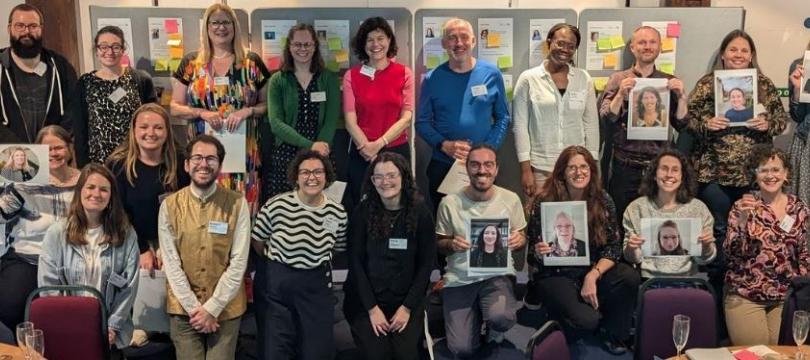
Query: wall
{"points": [[5, 9]]}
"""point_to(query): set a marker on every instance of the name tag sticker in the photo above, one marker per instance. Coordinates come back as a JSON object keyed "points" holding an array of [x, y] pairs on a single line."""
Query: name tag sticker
{"points": [[479, 90], [330, 223], [221, 80], [317, 96], [117, 280], [217, 227], [40, 69], [117, 95], [787, 223], [398, 244], [368, 71]]}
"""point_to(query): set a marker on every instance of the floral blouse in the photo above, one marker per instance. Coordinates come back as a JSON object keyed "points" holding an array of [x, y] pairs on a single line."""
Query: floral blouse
{"points": [[763, 257], [722, 156]]}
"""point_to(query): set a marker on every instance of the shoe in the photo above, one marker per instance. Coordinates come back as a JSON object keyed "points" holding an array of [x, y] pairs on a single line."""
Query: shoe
{"points": [[614, 347], [531, 301], [495, 336]]}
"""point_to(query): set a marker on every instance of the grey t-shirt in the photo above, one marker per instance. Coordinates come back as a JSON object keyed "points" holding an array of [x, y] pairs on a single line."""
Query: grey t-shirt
{"points": [[32, 93]]}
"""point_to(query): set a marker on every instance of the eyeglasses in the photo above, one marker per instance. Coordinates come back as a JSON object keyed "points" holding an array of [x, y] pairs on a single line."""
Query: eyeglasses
{"points": [[31, 27], [772, 170], [488, 165], [197, 159], [306, 173], [565, 45], [574, 168], [220, 23], [116, 49], [300, 45], [378, 178]]}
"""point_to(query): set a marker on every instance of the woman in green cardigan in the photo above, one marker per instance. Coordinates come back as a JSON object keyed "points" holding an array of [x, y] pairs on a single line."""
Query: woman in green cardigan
{"points": [[303, 105]]}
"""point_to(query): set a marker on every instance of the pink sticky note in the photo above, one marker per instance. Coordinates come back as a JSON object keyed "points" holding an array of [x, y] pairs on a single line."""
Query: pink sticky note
{"points": [[125, 60], [171, 26], [673, 30], [273, 62]]}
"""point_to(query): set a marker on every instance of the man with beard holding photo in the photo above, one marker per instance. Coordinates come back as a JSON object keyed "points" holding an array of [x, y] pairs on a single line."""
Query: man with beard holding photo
{"points": [[35, 82]]}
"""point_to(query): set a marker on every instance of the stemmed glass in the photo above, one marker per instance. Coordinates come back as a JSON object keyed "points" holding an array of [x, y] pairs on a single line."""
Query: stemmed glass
{"points": [[35, 341], [680, 332], [801, 322], [23, 329]]}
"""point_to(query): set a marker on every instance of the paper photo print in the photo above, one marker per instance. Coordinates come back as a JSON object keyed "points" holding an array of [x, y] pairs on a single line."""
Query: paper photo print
{"points": [[489, 253], [24, 163], [735, 94], [648, 117], [565, 229], [671, 237], [804, 95]]}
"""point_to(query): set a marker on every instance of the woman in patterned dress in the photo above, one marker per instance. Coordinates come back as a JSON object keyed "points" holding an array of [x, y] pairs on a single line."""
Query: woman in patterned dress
{"points": [[108, 97], [221, 86]]}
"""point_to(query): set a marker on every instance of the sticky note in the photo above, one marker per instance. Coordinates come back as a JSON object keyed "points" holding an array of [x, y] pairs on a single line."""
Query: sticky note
{"points": [[174, 36], [610, 61], [603, 44], [283, 41], [125, 60], [174, 42], [432, 62], [667, 44], [333, 66], [342, 55], [494, 40], [504, 62], [674, 30], [509, 93], [171, 25], [273, 63], [174, 64], [175, 52], [668, 68], [166, 97], [334, 43], [599, 83], [616, 42], [161, 64]]}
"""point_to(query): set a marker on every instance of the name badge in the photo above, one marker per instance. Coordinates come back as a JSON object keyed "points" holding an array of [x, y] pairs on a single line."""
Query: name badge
{"points": [[217, 227], [330, 223], [479, 90], [317, 96], [221, 80], [576, 100], [117, 95], [40, 69], [398, 244], [117, 280], [368, 71], [787, 223]]}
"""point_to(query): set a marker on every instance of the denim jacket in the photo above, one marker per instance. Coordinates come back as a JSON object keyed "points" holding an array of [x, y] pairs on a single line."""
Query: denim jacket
{"points": [[799, 112], [61, 263]]}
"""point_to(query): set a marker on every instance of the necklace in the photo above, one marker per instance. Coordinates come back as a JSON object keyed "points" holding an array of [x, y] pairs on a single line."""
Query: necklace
{"points": [[222, 56]]}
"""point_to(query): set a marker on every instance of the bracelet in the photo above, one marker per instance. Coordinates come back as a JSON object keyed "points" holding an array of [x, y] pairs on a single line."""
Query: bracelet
{"points": [[385, 141], [599, 271]]}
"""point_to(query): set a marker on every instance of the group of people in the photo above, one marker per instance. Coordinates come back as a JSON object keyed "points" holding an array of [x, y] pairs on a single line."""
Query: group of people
{"points": [[122, 196]]}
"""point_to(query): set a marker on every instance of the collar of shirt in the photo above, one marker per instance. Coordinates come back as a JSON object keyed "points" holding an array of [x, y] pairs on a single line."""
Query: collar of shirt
{"points": [[638, 74], [203, 194], [548, 74]]}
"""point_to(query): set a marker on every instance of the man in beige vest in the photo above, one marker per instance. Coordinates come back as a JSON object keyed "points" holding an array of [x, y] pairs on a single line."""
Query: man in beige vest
{"points": [[203, 230]]}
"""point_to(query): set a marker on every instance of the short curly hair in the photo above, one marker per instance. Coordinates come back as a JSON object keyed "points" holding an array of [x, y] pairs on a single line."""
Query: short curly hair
{"points": [[760, 155], [307, 154], [369, 25]]}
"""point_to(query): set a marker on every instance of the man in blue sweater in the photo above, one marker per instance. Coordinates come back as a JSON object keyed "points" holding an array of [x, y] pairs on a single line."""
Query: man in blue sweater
{"points": [[457, 104]]}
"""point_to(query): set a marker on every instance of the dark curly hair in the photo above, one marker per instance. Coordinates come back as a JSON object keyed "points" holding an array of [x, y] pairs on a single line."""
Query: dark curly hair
{"points": [[760, 155], [379, 221], [686, 192], [307, 154], [369, 25]]}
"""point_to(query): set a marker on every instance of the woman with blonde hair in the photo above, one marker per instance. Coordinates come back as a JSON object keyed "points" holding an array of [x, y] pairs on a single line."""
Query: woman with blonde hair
{"points": [[17, 167], [147, 167]]}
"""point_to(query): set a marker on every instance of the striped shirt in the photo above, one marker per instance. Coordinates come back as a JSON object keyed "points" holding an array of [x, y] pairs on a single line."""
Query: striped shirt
{"points": [[300, 235]]}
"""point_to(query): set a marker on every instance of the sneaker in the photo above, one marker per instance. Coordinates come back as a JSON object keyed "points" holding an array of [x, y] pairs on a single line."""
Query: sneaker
{"points": [[614, 347], [495, 336], [531, 301]]}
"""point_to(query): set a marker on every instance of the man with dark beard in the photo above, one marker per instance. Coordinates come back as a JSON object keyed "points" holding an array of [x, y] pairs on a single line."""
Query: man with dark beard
{"points": [[35, 83], [203, 231]]}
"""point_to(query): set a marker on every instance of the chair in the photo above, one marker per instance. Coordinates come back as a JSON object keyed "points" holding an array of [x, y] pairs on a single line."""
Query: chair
{"points": [[75, 326], [799, 286], [548, 343], [659, 300]]}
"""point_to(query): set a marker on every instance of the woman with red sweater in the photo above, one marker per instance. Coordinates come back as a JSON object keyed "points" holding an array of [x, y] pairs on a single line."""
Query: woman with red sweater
{"points": [[378, 100]]}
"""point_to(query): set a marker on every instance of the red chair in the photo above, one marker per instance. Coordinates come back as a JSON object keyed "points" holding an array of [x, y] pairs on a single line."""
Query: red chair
{"points": [[75, 326], [548, 343]]}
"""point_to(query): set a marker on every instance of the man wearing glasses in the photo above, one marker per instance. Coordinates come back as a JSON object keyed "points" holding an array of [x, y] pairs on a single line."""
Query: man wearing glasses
{"points": [[203, 232], [297, 232], [35, 82]]}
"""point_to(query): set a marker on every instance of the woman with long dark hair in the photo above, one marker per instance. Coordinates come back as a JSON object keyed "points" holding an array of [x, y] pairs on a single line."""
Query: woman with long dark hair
{"points": [[488, 248]]}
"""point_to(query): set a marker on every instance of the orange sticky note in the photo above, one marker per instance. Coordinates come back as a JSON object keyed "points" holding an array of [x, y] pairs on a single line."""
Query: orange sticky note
{"points": [[174, 36], [667, 44], [610, 61], [493, 40], [342, 55], [176, 52]]}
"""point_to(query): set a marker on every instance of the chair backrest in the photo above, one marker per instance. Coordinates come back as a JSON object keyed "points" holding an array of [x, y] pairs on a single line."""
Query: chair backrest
{"points": [[74, 324], [659, 300], [548, 343], [786, 327]]}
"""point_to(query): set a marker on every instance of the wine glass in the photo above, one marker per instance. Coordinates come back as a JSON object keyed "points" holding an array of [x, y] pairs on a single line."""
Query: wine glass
{"points": [[35, 341], [23, 329], [801, 322], [680, 332]]}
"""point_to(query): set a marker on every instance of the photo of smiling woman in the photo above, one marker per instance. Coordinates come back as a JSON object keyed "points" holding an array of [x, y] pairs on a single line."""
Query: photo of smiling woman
{"points": [[17, 167], [738, 111], [650, 111], [488, 250]]}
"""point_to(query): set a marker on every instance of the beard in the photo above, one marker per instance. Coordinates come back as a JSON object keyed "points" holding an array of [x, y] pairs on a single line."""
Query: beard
{"points": [[26, 46], [205, 184]]}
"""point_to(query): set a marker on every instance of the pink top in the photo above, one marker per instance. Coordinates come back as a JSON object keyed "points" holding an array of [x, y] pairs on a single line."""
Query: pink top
{"points": [[379, 102]]}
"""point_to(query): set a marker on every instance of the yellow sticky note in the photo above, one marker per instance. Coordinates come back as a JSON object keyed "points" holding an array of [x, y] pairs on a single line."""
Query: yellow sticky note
{"points": [[610, 61], [667, 44], [175, 36], [668, 68], [174, 42], [334, 43], [342, 55], [161, 65], [599, 83], [283, 41], [509, 93], [616, 42], [603, 44], [176, 52], [445, 57], [333, 66], [432, 62], [504, 62], [494, 40], [174, 64]]}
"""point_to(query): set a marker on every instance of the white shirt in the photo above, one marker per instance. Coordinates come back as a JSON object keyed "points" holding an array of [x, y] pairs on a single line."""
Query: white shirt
{"points": [[546, 122], [230, 281]]}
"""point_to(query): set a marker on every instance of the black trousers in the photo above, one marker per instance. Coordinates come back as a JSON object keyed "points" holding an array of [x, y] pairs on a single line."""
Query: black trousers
{"points": [[623, 186], [358, 166], [260, 300], [398, 345], [300, 313], [616, 292], [17, 279]]}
